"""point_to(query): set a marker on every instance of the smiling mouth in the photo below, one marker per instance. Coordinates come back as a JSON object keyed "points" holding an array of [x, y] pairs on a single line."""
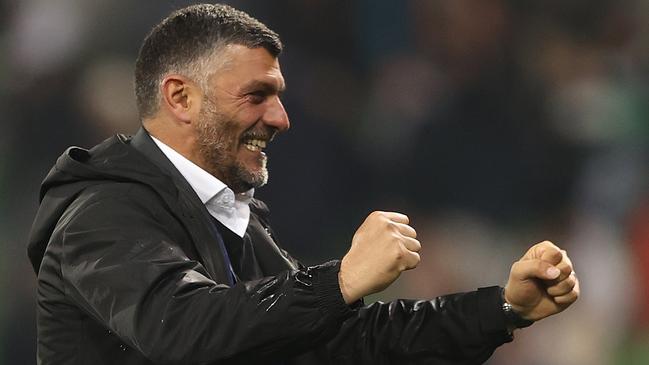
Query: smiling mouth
{"points": [[255, 145]]}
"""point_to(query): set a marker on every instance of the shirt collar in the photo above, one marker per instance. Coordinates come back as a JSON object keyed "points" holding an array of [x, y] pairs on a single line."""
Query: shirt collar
{"points": [[206, 185]]}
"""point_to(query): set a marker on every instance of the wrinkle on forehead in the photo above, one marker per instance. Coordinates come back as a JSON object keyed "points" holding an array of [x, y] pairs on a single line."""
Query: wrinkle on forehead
{"points": [[234, 58], [227, 57]]}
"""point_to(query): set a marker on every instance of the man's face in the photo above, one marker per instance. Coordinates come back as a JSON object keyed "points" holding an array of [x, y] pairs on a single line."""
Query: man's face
{"points": [[240, 114]]}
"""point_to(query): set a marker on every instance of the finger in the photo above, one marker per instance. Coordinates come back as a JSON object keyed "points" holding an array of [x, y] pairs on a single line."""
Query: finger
{"points": [[568, 298], [396, 217], [566, 270], [565, 266], [411, 244], [563, 287], [410, 260], [551, 255], [534, 269], [536, 251], [566, 258], [571, 297], [406, 230]]}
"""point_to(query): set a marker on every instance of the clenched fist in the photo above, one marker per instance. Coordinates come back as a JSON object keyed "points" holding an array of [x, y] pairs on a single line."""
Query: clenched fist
{"points": [[382, 248], [542, 282]]}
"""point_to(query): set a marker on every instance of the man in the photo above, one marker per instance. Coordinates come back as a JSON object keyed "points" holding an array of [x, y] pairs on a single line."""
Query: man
{"points": [[152, 249]]}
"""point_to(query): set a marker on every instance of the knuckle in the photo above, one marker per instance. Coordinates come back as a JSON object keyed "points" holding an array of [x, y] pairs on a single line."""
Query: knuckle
{"points": [[572, 282], [561, 289], [385, 222], [570, 296], [396, 237], [549, 244], [416, 260], [392, 226], [568, 282]]}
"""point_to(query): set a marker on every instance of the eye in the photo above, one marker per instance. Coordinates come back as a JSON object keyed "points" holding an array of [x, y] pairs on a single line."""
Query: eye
{"points": [[257, 97]]}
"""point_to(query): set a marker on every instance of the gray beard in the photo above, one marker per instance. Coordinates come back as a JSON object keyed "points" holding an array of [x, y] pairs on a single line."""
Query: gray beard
{"points": [[245, 180], [215, 138]]}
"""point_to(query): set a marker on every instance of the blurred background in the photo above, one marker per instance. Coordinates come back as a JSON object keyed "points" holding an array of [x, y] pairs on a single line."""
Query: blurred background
{"points": [[494, 124]]}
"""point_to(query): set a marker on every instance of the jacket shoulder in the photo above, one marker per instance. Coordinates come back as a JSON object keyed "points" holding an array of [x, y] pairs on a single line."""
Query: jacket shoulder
{"points": [[119, 190], [106, 202]]}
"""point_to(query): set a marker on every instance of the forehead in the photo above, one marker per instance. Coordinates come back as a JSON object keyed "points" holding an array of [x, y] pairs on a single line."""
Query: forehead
{"points": [[243, 66]]}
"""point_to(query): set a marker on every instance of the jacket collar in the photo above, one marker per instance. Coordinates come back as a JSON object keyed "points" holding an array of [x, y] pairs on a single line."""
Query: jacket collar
{"points": [[192, 211], [275, 261]]}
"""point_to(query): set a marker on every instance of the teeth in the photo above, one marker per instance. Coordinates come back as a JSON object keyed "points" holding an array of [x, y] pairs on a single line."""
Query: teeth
{"points": [[255, 144]]}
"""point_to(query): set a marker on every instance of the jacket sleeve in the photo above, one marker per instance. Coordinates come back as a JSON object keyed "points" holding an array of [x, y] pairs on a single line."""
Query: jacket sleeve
{"points": [[462, 328], [121, 264]]}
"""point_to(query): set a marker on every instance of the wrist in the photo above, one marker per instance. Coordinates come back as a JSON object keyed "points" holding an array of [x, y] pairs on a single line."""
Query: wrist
{"points": [[513, 318], [343, 289], [344, 282]]}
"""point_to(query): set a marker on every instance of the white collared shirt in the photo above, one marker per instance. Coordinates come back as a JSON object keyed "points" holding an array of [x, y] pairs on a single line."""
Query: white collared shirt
{"points": [[224, 205]]}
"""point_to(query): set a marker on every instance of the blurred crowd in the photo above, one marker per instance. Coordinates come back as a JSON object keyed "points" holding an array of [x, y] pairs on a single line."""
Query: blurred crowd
{"points": [[494, 124]]}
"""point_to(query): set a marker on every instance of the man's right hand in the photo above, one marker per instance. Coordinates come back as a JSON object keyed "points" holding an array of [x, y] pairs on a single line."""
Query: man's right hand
{"points": [[382, 247]]}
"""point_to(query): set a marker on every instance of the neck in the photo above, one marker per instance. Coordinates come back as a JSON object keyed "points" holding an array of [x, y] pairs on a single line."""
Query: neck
{"points": [[175, 136]]}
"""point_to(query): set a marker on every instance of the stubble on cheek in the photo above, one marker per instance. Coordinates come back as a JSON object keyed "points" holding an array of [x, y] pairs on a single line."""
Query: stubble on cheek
{"points": [[217, 142], [219, 145]]}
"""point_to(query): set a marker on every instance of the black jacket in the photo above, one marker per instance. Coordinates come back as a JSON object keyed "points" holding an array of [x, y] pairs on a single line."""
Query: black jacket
{"points": [[130, 271]]}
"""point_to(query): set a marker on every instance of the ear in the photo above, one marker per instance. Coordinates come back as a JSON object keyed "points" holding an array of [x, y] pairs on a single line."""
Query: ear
{"points": [[180, 97]]}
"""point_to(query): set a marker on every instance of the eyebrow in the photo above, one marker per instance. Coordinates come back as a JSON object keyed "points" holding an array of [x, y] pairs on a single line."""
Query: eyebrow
{"points": [[264, 86]]}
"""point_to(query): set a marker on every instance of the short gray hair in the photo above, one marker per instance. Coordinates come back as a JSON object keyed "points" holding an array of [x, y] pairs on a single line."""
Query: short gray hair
{"points": [[186, 42]]}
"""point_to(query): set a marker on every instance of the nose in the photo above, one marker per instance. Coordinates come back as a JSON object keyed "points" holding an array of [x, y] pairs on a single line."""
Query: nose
{"points": [[275, 115]]}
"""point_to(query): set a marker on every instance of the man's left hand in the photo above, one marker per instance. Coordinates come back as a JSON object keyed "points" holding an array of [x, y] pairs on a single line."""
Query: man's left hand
{"points": [[542, 282]]}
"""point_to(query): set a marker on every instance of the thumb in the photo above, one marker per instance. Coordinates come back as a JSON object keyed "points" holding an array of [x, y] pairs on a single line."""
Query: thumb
{"points": [[535, 269]]}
